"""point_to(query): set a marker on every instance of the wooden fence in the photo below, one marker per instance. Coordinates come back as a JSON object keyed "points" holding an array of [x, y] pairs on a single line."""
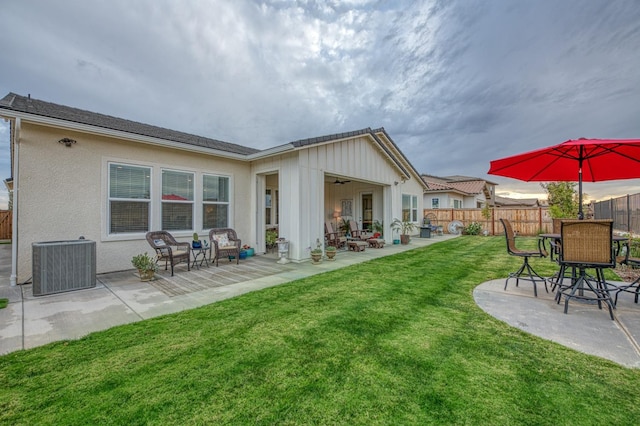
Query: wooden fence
{"points": [[6, 221], [526, 221]]}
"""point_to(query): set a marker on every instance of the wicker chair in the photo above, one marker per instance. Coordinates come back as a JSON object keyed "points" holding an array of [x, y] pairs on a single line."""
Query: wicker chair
{"points": [[168, 249], [633, 262], [587, 244], [526, 272], [224, 243]]}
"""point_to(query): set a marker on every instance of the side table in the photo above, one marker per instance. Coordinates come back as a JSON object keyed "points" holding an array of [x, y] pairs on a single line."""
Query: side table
{"points": [[201, 254]]}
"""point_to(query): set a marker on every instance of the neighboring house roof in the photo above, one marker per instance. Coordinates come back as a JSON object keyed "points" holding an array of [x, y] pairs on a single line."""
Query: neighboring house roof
{"points": [[29, 105], [516, 202], [461, 184]]}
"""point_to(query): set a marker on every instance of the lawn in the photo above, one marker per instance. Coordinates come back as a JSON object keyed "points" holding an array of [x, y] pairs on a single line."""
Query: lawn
{"points": [[398, 340]]}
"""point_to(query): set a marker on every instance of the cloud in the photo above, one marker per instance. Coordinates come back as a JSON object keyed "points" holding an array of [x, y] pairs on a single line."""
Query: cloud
{"points": [[455, 83]]}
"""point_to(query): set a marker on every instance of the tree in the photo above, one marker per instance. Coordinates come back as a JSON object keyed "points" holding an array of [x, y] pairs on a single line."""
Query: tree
{"points": [[562, 198]]}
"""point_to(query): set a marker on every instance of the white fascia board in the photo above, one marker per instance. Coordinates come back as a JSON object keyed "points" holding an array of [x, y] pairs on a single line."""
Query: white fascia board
{"points": [[269, 152], [119, 134]]}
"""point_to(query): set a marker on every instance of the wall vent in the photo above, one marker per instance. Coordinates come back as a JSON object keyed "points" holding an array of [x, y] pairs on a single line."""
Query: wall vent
{"points": [[60, 266]]}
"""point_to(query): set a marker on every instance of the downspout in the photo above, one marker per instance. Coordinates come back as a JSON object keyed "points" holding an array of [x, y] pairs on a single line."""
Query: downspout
{"points": [[16, 187]]}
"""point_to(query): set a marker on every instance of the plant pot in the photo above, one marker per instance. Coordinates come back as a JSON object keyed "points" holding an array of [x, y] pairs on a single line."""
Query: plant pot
{"points": [[404, 239], [243, 254], [331, 254], [146, 275], [316, 258], [250, 252], [396, 241]]}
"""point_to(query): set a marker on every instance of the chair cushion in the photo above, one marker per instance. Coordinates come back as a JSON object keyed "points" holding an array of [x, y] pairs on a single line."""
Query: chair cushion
{"points": [[222, 239], [227, 247], [161, 243]]}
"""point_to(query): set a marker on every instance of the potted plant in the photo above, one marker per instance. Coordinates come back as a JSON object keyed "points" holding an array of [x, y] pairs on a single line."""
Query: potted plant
{"points": [[146, 266], [196, 244], [316, 255], [403, 227], [330, 252], [377, 227], [271, 239], [249, 250], [243, 254], [345, 227]]}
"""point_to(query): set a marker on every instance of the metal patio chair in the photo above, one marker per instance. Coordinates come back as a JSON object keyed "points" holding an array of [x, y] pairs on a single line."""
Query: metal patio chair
{"points": [[587, 244], [633, 262], [526, 272]]}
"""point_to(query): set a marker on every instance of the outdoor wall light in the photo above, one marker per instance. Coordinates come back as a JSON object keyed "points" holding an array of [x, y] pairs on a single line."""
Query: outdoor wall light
{"points": [[67, 142]]}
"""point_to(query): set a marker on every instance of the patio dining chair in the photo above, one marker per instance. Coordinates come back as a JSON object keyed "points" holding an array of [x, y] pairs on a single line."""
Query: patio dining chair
{"points": [[633, 262], [526, 272], [168, 249], [587, 244]]}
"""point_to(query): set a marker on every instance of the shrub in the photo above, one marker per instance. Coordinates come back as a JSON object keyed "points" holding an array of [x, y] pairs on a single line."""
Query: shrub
{"points": [[473, 228]]}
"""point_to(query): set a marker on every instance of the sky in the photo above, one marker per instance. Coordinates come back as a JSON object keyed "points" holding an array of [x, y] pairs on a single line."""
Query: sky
{"points": [[456, 83]]}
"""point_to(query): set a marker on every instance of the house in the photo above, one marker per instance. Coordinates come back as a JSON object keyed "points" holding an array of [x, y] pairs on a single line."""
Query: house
{"points": [[457, 192], [517, 202], [79, 173]]}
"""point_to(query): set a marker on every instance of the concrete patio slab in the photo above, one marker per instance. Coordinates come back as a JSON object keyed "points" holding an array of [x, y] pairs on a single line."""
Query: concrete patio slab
{"points": [[121, 298], [584, 328]]}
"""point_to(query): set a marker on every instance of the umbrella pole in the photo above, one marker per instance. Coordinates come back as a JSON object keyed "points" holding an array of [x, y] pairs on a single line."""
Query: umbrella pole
{"points": [[580, 214]]}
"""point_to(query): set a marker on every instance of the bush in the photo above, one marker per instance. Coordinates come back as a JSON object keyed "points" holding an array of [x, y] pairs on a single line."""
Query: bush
{"points": [[473, 228]]}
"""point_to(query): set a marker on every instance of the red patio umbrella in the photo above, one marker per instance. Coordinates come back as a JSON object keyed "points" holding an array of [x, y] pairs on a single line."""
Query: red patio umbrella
{"points": [[591, 160]]}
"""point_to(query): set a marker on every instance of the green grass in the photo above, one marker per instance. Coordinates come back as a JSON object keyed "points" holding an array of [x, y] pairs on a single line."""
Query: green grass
{"points": [[398, 340]]}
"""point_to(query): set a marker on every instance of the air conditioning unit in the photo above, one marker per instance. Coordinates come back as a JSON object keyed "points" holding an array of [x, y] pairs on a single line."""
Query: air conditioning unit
{"points": [[60, 266]]}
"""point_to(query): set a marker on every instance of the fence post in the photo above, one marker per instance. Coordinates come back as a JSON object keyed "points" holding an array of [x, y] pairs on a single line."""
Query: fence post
{"points": [[493, 221], [539, 218], [628, 214]]}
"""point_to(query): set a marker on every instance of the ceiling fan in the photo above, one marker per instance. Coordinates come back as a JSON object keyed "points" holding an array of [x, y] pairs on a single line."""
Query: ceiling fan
{"points": [[340, 182]]}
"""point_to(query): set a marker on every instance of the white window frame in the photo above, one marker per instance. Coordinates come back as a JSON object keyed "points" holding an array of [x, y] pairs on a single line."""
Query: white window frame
{"points": [[190, 202], [413, 207], [435, 203], [227, 203], [110, 199]]}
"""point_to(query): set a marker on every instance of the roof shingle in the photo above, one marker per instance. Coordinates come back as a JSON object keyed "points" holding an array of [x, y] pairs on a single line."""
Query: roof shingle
{"points": [[30, 105]]}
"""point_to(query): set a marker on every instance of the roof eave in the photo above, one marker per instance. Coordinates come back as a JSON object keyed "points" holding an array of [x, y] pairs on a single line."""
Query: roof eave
{"points": [[119, 134]]}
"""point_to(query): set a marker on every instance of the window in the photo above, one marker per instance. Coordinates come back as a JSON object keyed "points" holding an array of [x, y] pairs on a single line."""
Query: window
{"points": [[414, 208], [409, 208], [457, 204], [271, 207], [267, 209], [177, 200], [215, 202], [129, 198], [435, 203]]}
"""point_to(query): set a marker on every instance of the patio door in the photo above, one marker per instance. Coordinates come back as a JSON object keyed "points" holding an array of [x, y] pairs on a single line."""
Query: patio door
{"points": [[367, 211]]}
